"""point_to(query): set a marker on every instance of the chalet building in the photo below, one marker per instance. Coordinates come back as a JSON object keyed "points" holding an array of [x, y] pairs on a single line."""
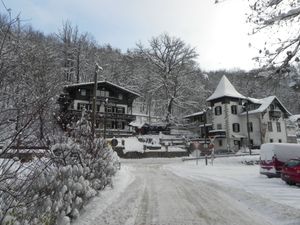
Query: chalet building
{"points": [[113, 105], [230, 112]]}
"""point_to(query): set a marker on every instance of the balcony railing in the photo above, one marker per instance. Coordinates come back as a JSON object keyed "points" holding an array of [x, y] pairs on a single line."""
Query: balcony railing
{"points": [[108, 115], [217, 133], [275, 114]]}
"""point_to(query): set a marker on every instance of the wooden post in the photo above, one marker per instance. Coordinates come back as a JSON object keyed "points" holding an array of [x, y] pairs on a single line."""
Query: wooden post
{"points": [[105, 109], [94, 100]]}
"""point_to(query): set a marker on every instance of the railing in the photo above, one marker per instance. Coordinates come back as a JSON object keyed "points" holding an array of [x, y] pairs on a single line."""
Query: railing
{"points": [[275, 114], [108, 115]]}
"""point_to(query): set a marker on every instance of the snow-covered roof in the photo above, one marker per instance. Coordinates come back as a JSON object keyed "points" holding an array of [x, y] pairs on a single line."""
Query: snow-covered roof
{"points": [[225, 89], [294, 118], [194, 114], [136, 124], [145, 115], [264, 104], [103, 82]]}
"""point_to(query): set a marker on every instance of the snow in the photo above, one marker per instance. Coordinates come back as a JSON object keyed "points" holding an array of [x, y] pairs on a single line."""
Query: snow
{"points": [[225, 88], [92, 211], [102, 82], [294, 118], [132, 144], [194, 114], [230, 172], [169, 191], [283, 16], [264, 104], [137, 124]]}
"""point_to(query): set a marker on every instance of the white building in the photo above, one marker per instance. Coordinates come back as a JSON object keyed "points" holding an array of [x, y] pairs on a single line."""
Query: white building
{"points": [[230, 111]]}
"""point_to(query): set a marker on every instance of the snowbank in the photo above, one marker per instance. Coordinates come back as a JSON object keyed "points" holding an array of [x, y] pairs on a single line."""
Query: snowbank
{"points": [[93, 210]]}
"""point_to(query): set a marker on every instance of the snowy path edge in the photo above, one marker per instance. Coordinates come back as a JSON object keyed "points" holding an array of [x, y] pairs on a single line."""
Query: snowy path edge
{"points": [[98, 204]]}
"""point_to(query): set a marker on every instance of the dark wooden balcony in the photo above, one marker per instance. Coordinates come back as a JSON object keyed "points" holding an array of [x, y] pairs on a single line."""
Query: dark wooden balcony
{"points": [[108, 115]]}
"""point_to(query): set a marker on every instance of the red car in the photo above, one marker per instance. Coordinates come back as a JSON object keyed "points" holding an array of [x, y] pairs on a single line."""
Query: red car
{"points": [[291, 171]]}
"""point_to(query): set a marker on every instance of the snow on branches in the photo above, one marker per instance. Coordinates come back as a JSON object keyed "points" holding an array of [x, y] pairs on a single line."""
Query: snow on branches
{"points": [[279, 20]]}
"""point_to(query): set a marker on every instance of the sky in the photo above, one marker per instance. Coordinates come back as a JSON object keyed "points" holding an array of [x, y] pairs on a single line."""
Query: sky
{"points": [[219, 32]]}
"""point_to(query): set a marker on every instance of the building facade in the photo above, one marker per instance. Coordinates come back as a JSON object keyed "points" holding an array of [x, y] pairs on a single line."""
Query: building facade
{"points": [[231, 113], [113, 105]]}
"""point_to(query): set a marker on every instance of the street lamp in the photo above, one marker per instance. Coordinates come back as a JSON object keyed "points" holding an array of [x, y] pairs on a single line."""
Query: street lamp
{"points": [[246, 107]]}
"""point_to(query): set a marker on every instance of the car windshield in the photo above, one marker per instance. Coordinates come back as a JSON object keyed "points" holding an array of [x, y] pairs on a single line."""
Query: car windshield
{"points": [[293, 162]]}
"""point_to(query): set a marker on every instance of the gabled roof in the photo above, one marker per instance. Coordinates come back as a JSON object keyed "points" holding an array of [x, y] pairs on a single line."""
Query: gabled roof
{"points": [[264, 104], [225, 89], [103, 82]]}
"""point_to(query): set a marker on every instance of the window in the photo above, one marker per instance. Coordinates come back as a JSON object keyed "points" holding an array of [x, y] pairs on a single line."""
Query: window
{"points": [[234, 109], [220, 143], [79, 107], [279, 140], [120, 110], [236, 127], [108, 109], [219, 126], [201, 118], [271, 140], [82, 92], [88, 106], [104, 93], [218, 110], [119, 125], [278, 126], [251, 142], [250, 126], [120, 96], [109, 125], [270, 128], [98, 93]]}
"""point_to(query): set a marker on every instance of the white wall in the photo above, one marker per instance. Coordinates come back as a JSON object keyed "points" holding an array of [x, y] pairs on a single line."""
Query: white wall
{"points": [[257, 120], [275, 135]]}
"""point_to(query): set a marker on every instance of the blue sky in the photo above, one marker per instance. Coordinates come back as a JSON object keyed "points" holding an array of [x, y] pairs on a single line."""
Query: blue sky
{"points": [[218, 32]]}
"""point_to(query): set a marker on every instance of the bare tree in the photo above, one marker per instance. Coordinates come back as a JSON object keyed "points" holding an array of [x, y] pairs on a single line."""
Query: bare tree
{"points": [[172, 64]]}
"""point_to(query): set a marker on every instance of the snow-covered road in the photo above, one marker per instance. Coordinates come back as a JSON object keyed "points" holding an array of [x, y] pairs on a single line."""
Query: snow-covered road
{"points": [[149, 192]]}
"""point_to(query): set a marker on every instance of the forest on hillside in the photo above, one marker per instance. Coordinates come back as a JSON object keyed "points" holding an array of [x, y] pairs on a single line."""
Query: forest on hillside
{"points": [[34, 67]]}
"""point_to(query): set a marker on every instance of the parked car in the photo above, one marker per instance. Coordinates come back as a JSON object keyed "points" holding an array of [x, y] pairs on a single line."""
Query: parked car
{"points": [[291, 171], [274, 155]]}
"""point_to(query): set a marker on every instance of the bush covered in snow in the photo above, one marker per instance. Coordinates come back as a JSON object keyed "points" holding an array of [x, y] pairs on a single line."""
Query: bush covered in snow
{"points": [[53, 190]]}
